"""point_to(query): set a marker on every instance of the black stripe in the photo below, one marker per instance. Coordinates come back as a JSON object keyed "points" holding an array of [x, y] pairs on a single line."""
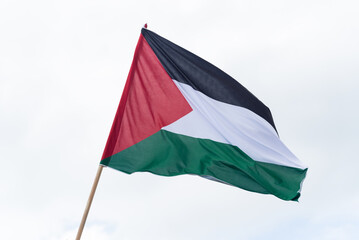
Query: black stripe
{"points": [[202, 76]]}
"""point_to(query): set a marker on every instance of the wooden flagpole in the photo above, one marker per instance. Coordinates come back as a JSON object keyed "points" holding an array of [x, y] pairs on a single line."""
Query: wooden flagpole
{"points": [[89, 201]]}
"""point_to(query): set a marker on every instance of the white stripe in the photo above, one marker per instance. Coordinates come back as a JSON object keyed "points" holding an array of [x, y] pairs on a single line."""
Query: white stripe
{"points": [[238, 126]]}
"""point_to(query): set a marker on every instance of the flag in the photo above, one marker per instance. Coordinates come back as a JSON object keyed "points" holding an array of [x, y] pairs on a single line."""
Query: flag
{"points": [[179, 114]]}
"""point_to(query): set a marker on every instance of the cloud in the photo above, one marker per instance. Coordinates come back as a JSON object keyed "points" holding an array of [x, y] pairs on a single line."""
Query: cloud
{"points": [[92, 233]]}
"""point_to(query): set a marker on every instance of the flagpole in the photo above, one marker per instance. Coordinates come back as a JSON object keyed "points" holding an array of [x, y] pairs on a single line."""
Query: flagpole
{"points": [[89, 201]]}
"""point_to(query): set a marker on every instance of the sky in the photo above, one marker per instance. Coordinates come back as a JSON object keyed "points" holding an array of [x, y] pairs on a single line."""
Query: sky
{"points": [[63, 65]]}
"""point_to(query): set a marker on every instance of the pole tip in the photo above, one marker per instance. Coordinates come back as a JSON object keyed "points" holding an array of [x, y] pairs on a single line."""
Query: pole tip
{"points": [[145, 26]]}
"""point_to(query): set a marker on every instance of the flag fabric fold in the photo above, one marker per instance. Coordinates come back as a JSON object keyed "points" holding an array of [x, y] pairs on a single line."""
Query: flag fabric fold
{"points": [[179, 114]]}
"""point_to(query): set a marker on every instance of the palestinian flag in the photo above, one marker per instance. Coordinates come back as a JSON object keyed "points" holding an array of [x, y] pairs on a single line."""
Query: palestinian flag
{"points": [[180, 114]]}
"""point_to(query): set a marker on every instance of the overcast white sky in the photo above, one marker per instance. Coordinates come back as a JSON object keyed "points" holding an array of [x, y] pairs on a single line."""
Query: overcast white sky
{"points": [[63, 65]]}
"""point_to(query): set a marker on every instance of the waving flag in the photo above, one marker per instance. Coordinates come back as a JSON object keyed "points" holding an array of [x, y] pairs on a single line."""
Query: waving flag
{"points": [[180, 114]]}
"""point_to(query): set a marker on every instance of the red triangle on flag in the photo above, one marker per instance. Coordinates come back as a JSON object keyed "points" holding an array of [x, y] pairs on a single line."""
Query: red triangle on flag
{"points": [[149, 102]]}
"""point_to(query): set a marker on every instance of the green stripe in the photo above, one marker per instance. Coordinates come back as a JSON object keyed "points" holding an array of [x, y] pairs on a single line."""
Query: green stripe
{"points": [[169, 154]]}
